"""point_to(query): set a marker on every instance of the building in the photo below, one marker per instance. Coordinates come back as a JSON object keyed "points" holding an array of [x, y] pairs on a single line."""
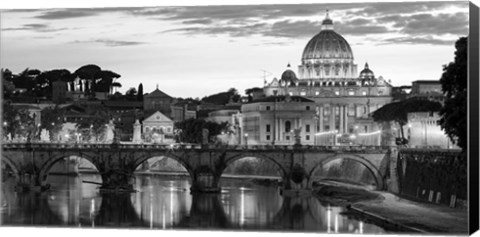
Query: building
{"points": [[423, 129], [427, 89], [59, 92], [182, 111], [157, 128], [157, 100], [343, 99], [278, 120]]}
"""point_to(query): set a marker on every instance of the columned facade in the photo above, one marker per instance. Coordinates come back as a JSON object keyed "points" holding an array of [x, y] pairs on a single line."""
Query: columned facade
{"points": [[328, 76]]}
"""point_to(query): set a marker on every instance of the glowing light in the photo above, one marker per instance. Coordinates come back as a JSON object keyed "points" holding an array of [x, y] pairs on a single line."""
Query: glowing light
{"points": [[353, 136], [329, 213], [336, 223], [326, 133], [361, 227], [368, 134], [242, 208]]}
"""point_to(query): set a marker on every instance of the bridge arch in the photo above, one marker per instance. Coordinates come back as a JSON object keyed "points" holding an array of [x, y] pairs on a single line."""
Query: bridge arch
{"points": [[45, 167], [143, 158], [12, 165], [362, 160], [230, 160]]}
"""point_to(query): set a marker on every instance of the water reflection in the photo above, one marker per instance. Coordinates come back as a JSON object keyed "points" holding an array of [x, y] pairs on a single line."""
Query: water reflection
{"points": [[163, 203]]}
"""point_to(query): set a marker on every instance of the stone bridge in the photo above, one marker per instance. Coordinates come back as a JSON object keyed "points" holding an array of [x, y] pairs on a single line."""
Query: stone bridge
{"points": [[116, 163]]}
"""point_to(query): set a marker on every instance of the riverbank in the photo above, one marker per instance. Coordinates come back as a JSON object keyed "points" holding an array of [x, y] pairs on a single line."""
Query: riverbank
{"points": [[394, 212]]}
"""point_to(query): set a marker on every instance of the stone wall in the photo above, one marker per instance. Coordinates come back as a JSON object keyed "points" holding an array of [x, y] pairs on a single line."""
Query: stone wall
{"points": [[437, 176]]}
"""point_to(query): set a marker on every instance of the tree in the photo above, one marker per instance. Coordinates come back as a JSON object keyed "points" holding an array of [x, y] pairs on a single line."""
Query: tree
{"points": [[52, 121], [18, 123], [398, 111], [454, 86], [223, 98], [191, 129], [8, 86], [94, 125], [45, 79], [131, 93], [97, 79], [140, 92]]}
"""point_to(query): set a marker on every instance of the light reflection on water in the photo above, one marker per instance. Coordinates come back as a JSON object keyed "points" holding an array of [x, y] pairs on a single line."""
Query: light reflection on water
{"points": [[166, 203]]}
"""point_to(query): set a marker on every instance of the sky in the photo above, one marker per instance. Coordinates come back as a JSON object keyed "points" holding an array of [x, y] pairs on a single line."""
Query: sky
{"points": [[195, 51]]}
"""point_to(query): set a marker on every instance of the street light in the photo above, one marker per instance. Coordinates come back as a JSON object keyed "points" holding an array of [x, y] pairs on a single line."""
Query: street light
{"points": [[246, 139], [274, 115]]}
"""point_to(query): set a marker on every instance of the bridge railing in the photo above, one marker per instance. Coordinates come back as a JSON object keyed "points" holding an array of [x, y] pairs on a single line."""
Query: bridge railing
{"points": [[44, 145]]}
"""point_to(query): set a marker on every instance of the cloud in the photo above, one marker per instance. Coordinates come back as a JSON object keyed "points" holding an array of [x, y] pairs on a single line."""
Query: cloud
{"points": [[440, 24], [59, 14], [380, 9], [42, 28], [111, 43], [198, 21], [417, 40], [65, 13], [293, 29]]}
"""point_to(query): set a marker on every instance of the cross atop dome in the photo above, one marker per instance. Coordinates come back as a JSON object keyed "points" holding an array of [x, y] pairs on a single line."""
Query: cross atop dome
{"points": [[366, 65], [327, 23]]}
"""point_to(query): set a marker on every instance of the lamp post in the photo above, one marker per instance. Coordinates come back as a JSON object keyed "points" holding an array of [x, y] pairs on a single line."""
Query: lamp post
{"points": [[274, 116], [246, 139]]}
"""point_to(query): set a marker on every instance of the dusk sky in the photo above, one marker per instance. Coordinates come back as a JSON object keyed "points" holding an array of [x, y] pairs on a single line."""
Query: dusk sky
{"points": [[200, 50]]}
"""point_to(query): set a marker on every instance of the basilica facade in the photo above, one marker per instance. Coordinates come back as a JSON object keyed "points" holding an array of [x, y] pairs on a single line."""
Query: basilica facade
{"points": [[343, 98]]}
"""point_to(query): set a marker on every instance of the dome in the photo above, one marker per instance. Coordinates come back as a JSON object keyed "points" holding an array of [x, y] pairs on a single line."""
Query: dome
{"points": [[288, 75], [366, 73], [327, 44]]}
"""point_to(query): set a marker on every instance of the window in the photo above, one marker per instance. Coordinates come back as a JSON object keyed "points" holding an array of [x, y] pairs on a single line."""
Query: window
{"points": [[351, 110], [308, 107], [327, 127], [350, 92], [364, 93], [290, 93], [337, 92], [268, 128], [268, 137], [317, 92], [288, 126], [307, 128], [380, 92], [307, 137], [303, 93], [287, 138], [268, 107], [366, 128]]}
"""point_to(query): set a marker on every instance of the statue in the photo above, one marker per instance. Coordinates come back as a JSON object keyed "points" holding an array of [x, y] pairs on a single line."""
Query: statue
{"points": [[137, 132], [109, 135], [44, 136], [205, 134]]}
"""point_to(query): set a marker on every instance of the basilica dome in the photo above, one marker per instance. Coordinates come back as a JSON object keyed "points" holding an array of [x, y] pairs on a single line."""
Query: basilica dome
{"points": [[327, 44], [327, 56], [288, 75], [366, 73]]}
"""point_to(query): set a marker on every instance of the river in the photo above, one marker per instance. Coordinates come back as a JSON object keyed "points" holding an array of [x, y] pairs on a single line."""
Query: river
{"points": [[166, 203]]}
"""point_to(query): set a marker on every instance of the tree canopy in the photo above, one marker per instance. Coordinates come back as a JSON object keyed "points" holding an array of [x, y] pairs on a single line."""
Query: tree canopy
{"points": [[191, 130], [454, 87], [223, 98], [398, 111]]}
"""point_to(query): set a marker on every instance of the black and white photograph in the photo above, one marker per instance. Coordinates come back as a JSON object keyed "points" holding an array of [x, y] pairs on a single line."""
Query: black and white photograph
{"points": [[311, 117]]}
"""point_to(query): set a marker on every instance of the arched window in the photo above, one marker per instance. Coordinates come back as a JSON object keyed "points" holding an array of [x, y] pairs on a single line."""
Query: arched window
{"points": [[288, 126]]}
